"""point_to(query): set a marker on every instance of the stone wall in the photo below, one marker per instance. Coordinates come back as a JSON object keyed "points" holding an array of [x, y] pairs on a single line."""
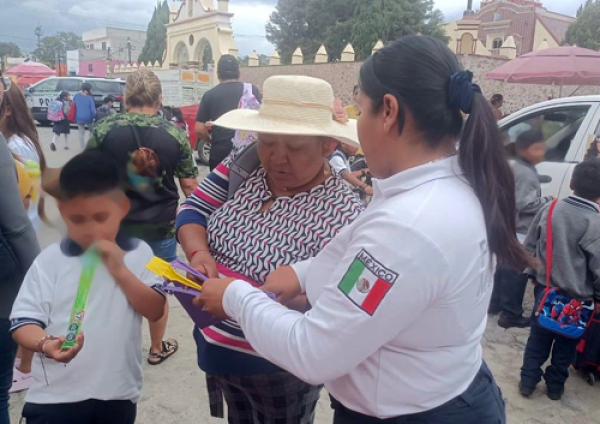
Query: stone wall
{"points": [[344, 75]]}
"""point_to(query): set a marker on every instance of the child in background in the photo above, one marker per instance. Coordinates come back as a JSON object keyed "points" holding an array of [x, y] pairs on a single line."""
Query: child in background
{"points": [[339, 161], [179, 121], [510, 284], [107, 108], [62, 127], [104, 378], [575, 269]]}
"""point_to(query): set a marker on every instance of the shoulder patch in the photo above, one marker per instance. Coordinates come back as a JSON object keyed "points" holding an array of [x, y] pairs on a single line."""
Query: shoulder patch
{"points": [[367, 282]]}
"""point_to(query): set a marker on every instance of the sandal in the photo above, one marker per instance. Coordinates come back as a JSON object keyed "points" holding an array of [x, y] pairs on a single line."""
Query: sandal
{"points": [[169, 347]]}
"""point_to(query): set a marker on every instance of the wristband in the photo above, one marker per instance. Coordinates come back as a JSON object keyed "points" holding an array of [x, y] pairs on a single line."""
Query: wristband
{"points": [[42, 343], [197, 251]]}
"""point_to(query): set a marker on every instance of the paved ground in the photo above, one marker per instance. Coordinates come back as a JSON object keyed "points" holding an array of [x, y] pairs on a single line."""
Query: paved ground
{"points": [[174, 391]]}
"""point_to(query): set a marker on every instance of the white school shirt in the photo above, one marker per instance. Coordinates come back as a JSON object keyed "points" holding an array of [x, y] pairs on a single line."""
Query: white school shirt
{"points": [[20, 147], [109, 366], [399, 299]]}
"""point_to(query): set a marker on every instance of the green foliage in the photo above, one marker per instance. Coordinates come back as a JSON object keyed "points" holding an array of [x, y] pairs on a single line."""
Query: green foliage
{"points": [[156, 35], [10, 50], [53, 45], [585, 31], [335, 23]]}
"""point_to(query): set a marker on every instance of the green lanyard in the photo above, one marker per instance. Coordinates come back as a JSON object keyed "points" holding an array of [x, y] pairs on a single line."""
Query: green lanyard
{"points": [[90, 260]]}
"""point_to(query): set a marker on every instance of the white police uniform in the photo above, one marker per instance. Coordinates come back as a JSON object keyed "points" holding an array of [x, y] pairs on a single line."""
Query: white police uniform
{"points": [[399, 299]]}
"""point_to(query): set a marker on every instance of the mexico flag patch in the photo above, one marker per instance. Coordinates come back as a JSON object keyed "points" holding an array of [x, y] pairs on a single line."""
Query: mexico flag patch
{"points": [[367, 282]]}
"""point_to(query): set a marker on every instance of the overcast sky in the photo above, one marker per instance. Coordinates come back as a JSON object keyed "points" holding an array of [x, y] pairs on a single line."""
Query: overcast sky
{"points": [[18, 18]]}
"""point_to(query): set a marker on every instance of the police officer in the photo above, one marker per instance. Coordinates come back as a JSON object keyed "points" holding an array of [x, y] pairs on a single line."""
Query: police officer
{"points": [[400, 296]]}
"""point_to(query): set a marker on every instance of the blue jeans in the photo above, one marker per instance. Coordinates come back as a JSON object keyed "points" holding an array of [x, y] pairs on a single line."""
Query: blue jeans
{"points": [[481, 403], [7, 355], [165, 249]]}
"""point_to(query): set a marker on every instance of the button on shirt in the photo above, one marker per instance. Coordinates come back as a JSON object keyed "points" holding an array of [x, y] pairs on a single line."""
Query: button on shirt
{"points": [[399, 299]]}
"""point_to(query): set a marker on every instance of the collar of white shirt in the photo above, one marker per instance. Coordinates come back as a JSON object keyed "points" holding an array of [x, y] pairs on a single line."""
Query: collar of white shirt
{"points": [[414, 177]]}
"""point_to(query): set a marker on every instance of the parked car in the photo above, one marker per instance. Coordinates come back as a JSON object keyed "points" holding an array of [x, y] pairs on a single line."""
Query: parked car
{"points": [[569, 126], [201, 147], [40, 94]]}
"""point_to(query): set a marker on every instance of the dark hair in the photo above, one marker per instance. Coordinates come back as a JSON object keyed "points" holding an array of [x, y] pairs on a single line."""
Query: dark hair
{"points": [[90, 173], [586, 179], [86, 86], [497, 98], [528, 138], [228, 68], [593, 152], [178, 114], [355, 89], [108, 99], [418, 71], [20, 121]]}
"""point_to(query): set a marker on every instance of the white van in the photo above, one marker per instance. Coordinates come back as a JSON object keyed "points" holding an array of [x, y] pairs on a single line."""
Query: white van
{"points": [[569, 126], [39, 95]]}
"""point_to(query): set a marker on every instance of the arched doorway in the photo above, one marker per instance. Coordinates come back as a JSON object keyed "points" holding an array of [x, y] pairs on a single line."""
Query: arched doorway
{"points": [[181, 56], [203, 55], [466, 44]]}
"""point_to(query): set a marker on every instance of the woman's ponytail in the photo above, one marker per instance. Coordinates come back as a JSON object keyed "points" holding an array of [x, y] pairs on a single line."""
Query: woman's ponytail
{"points": [[484, 162]]}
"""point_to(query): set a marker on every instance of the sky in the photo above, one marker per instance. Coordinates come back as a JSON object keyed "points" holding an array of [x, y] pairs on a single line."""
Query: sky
{"points": [[19, 18]]}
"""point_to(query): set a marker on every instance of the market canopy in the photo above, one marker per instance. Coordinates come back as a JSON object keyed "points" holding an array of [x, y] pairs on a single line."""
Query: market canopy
{"points": [[560, 66], [31, 69]]}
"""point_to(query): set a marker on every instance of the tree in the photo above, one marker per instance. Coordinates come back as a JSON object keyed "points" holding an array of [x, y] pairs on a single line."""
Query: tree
{"points": [[57, 44], [585, 31], [335, 23], [156, 35], [9, 49]]}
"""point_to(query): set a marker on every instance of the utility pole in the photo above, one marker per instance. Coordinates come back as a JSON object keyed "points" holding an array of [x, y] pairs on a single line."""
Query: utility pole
{"points": [[39, 33], [129, 46]]}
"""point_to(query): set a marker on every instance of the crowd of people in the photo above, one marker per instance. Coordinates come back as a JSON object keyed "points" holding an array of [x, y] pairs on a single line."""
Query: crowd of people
{"points": [[373, 280]]}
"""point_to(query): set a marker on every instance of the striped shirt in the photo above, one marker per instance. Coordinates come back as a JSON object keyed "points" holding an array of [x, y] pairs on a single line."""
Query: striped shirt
{"points": [[245, 241]]}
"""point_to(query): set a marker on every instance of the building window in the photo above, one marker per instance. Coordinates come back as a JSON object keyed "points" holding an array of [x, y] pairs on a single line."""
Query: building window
{"points": [[91, 47], [104, 45], [497, 43], [90, 68]]}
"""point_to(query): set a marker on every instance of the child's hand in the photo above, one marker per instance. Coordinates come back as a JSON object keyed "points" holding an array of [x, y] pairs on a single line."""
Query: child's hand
{"points": [[52, 349], [112, 256]]}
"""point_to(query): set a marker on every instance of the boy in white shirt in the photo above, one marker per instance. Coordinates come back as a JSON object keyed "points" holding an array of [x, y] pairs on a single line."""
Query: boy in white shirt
{"points": [[103, 379], [339, 161]]}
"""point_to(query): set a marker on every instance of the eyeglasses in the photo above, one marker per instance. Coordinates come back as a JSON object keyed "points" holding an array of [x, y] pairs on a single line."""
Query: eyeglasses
{"points": [[6, 82]]}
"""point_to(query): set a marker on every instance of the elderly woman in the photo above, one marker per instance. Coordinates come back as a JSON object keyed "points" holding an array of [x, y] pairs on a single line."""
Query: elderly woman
{"points": [[283, 211]]}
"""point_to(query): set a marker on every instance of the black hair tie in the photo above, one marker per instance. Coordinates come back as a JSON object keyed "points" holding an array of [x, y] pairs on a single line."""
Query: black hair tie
{"points": [[461, 91]]}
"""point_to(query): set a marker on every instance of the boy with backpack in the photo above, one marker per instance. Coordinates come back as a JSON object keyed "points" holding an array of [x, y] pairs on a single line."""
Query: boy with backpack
{"points": [[509, 284], [570, 230], [104, 378], [107, 108]]}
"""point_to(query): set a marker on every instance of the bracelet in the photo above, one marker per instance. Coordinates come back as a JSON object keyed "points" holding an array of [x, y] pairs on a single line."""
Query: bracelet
{"points": [[42, 343], [197, 251]]}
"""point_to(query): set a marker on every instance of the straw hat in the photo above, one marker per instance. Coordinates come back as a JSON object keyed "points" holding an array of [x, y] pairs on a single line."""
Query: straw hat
{"points": [[294, 105]]}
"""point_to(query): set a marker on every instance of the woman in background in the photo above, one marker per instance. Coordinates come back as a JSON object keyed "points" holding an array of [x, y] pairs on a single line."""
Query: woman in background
{"points": [[18, 127], [18, 249]]}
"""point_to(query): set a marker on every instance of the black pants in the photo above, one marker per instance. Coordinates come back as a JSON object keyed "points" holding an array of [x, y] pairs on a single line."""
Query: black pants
{"points": [[90, 411], [509, 290], [481, 403], [218, 152], [540, 345]]}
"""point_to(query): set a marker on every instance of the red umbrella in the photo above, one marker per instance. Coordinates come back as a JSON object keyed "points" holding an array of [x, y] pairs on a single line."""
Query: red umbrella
{"points": [[31, 69], [560, 66]]}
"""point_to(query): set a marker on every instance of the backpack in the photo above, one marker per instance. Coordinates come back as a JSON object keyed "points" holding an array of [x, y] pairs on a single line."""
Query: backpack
{"points": [[243, 165], [55, 111], [247, 101]]}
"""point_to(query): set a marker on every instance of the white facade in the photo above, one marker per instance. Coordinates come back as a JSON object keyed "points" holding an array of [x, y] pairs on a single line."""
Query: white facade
{"points": [[116, 39]]}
